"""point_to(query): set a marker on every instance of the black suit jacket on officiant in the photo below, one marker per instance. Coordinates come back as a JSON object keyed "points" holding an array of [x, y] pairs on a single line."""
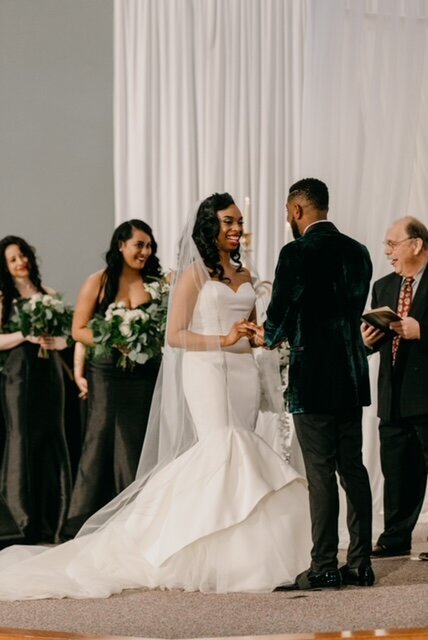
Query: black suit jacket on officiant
{"points": [[411, 368], [319, 293]]}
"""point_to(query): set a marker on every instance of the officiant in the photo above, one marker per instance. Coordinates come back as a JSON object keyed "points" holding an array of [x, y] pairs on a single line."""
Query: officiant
{"points": [[403, 372]]}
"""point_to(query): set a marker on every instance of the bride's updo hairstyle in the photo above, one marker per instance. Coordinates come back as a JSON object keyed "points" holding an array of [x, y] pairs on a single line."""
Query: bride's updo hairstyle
{"points": [[7, 285], [206, 230], [114, 259]]}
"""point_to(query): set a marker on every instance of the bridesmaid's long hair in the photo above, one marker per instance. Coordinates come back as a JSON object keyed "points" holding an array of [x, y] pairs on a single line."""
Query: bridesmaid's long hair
{"points": [[114, 259], [206, 230], [7, 286]]}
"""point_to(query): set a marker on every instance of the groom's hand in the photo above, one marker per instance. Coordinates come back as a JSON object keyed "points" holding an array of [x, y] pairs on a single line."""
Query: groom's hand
{"points": [[258, 334]]}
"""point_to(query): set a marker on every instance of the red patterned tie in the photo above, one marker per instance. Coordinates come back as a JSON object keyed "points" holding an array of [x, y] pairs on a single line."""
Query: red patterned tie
{"points": [[403, 308]]}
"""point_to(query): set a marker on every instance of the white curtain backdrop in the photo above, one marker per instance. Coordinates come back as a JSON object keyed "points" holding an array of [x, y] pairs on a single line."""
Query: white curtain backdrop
{"points": [[207, 98], [248, 96]]}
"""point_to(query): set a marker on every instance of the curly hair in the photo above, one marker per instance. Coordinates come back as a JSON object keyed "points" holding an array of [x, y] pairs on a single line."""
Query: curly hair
{"points": [[206, 231], [114, 259], [314, 190], [7, 285]]}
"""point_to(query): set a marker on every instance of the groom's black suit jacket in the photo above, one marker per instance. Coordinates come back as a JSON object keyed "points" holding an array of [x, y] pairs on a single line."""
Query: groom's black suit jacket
{"points": [[319, 293], [408, 378]]}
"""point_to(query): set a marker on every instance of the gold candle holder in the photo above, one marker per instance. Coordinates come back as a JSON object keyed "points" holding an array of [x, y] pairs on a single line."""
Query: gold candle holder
{"points": [[246, 241]]}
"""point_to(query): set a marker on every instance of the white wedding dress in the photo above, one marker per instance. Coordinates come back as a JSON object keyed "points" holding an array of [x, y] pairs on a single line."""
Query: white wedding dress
{"points": [[227, 515]]}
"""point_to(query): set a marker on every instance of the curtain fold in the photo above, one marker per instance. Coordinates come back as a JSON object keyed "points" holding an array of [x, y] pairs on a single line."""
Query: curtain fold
{"points": [[207, 98], [248, 96]]}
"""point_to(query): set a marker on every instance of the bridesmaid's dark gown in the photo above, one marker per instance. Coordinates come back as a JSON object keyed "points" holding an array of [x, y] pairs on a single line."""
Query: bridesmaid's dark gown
{"points": [[35, 480], [118, 410]]}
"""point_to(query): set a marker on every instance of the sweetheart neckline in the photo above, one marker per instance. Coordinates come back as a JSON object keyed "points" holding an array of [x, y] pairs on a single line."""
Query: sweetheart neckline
{"points": [[143, 304], [230, 288]]}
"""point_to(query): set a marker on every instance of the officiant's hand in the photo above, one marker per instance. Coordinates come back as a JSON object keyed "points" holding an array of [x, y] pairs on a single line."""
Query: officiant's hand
{"points": [[407, 328], [371, 335]]}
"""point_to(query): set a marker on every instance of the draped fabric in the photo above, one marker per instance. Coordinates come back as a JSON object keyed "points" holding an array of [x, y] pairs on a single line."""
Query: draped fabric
{"points": [[207, 98], [249, 95]]}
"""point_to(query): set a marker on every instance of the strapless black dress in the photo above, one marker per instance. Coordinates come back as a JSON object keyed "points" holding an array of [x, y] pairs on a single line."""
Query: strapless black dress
{"points": [[35, 481], [118, 409]]}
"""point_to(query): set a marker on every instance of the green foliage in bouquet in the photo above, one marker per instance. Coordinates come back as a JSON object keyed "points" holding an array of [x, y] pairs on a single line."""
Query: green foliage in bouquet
{"points": [[138, 334], [40, 315]]}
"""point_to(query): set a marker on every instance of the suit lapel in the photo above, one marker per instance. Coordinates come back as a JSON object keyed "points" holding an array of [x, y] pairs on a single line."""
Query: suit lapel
{"points": [[391, 293], [421, 297]]}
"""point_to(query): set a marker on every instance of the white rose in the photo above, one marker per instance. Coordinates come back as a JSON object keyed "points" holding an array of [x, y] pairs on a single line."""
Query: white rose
{"points": [[144, 315], [125, 329], [37, 297], [153, 288], [133, 314]]}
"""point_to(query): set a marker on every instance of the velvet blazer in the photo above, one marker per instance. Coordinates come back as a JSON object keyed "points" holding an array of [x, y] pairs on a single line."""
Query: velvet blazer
{"points": [[319, 293], [410, 372]]}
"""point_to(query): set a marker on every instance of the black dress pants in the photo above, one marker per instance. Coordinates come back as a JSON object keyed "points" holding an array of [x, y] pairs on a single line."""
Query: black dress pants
{"points": [[332, 443], [404, 461]]}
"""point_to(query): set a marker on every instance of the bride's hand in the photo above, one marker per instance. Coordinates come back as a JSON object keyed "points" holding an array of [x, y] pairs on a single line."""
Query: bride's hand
{"points": [[239, 330], [257, 334]]}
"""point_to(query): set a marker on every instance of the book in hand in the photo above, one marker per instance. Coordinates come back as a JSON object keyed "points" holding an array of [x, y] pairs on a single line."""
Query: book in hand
{"points": [[381, 318]]}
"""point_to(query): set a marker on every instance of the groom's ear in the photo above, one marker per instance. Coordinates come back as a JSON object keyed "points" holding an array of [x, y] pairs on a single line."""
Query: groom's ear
{"points": [[297, 210]]}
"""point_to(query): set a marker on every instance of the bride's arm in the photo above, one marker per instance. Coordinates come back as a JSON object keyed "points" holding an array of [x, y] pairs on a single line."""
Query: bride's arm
{"points": [[185, 296]]}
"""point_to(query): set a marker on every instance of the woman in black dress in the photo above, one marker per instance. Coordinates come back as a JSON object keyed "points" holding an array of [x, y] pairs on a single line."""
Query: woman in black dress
{"points": [[35, 473], [118, 400]]}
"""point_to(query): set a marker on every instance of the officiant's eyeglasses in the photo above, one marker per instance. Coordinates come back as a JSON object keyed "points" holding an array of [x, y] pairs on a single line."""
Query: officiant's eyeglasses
{"points": [[392, 243]]}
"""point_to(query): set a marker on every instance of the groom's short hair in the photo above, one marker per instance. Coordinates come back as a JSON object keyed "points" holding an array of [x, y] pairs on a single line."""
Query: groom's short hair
{"points": [[313, 189]]}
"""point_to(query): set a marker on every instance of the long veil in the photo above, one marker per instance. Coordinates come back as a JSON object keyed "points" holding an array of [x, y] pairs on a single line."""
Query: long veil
{"points": [[170, 430]]}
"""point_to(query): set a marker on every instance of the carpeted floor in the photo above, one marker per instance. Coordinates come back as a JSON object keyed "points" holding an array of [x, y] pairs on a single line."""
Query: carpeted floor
{"points": [[399, 599]]}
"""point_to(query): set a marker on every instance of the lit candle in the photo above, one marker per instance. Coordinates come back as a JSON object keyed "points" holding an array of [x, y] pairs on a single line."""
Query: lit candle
{"points": [[247, 215]]}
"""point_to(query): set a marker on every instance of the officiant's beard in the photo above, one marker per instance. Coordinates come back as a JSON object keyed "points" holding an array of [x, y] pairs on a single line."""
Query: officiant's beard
{"points": [[295, 230]]}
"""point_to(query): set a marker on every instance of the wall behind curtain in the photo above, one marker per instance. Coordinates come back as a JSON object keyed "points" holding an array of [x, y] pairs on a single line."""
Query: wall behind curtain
{"points": [[56, 138]]}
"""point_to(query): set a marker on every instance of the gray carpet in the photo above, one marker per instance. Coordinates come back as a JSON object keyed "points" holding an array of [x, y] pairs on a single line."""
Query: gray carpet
{"points": [[399, 599]]}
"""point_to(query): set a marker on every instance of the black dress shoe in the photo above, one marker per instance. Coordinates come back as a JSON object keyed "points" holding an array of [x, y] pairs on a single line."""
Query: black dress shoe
{"points": [[382, 551], [361, 577], [423, 555], [331, 579]]}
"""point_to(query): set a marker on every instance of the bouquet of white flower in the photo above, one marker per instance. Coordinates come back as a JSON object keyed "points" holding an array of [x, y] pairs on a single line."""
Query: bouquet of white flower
{"points": [[42, 315], [138, 334]]}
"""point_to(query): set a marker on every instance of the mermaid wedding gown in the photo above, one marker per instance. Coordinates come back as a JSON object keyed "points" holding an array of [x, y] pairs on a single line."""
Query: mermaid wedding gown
{"points": [[227, 515]]}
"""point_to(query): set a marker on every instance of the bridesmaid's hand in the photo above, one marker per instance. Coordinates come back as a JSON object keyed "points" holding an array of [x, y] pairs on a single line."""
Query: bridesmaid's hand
{"points": [[47, 343], [82, 383], [60, 343]]}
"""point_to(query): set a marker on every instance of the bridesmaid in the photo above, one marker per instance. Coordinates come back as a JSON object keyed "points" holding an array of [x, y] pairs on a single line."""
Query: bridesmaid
{"points": [[118, 400], [35, 473]]}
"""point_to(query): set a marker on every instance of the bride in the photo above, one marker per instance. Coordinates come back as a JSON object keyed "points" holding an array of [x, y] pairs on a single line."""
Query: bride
{"points": [[213, 507]]}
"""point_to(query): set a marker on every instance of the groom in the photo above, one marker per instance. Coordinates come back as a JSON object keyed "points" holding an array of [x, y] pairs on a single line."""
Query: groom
{"points": [[319, 292]]}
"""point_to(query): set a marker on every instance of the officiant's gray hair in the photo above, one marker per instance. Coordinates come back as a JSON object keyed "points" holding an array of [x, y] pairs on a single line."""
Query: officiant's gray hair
{"points": [[416, 229]]}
